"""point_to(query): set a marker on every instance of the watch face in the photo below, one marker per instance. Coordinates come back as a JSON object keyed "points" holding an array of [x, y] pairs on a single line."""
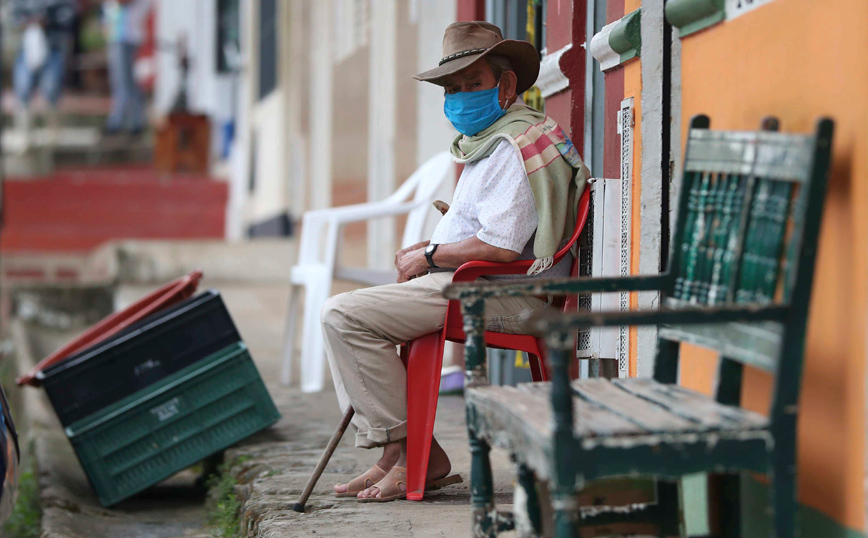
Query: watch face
{"points": [[429, 249]]}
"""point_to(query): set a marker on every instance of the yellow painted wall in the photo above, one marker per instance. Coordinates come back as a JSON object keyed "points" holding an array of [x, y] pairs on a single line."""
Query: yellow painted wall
{"points": [[798, 60]]}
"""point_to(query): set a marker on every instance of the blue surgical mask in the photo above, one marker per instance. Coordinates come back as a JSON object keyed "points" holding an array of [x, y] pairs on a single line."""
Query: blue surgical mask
{"points": [[471, 112]]}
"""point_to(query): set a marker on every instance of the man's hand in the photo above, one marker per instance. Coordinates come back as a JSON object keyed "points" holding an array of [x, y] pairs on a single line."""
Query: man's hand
{"points": [[402, 277], [411, 265]]}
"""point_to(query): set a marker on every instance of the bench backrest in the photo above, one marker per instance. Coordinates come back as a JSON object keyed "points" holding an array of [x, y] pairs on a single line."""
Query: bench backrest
{"points": [[748, 223]]}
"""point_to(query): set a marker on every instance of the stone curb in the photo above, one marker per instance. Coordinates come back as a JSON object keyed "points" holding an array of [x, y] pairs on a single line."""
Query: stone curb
{"points": [[35, 420], [261, 261]]}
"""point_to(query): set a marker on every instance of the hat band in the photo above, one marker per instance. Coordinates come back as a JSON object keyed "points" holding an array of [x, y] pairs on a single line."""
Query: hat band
{"points": [[461, 54]]}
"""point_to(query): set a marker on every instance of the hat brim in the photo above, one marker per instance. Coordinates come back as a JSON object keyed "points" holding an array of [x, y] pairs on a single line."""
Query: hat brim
{"points": [[522, 55]]}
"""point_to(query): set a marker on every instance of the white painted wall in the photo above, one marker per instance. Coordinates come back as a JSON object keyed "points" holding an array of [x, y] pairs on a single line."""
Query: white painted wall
{"points": [[269, 198], [314, 134], [434, 133], [382, 119]]}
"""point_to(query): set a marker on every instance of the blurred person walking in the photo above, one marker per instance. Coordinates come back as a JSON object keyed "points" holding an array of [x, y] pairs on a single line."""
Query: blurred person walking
{"points": [[47, 38], [125, 26]]}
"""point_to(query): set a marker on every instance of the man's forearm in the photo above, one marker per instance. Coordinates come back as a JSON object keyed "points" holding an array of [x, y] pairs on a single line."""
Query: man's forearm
{"points": [[454, 255]]}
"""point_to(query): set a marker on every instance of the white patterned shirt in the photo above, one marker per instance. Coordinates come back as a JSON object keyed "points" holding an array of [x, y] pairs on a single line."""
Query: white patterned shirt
{"points": [[493, 201]]}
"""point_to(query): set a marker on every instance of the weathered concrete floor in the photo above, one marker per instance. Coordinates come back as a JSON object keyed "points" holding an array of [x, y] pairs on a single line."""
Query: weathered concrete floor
{"points": [[281, 460]]}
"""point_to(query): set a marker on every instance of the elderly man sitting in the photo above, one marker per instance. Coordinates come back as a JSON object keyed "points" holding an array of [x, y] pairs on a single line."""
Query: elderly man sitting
{"points": [[515, 199]]}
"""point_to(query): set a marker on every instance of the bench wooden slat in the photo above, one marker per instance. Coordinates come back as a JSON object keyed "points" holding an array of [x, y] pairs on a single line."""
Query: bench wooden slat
{"points": [[784, 156], [757, 345], [500, 415], [589, 419], [519, 404], [770, 155], [652, 418], [692, 405], [730, 152]]}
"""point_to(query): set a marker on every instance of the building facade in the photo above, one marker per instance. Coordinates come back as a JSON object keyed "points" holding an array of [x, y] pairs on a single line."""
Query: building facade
{"points": [[329, 115], [330, 112]]}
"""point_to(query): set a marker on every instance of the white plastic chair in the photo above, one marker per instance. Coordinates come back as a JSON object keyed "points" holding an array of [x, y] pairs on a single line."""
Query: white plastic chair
{"points": [[318, 260]]}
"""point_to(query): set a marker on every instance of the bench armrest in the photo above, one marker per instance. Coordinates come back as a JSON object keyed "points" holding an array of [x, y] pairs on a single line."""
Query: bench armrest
{"points": [[683, 316], [555, 286]]}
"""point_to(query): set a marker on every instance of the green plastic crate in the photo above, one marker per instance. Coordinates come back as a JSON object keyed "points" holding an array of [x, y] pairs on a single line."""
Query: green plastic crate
{"points": [[172, 424]]}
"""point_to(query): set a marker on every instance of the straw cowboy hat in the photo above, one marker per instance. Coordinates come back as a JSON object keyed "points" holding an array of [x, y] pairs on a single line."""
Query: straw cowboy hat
{"points": [[467, 42]]}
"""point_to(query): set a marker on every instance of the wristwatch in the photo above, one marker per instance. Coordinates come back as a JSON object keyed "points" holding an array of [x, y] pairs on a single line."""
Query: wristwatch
{"points": [[429, 254]]}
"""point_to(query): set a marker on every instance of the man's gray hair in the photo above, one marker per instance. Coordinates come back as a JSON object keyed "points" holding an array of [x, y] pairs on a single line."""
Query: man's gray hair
{"points": [[499, 64]]}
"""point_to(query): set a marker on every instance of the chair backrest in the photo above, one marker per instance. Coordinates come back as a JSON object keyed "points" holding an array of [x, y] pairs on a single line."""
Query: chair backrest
{"points": [[584, 208], [747, 229], [424, 184]]}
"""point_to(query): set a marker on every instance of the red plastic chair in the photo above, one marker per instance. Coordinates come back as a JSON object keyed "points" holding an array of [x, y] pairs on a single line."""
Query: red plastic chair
{"points": [[424, 357]]}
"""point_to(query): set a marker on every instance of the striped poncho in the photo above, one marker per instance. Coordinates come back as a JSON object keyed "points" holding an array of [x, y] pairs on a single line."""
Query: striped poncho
{"points": [[554, 169]]}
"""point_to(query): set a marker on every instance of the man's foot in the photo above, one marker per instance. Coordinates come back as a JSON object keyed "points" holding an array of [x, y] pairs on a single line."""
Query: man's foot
{"points": [[361, 482], [392, 487], [439, 467], [391, 455]]}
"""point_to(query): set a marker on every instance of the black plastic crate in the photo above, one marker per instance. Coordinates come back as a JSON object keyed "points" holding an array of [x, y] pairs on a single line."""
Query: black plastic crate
{"points": [[144, 353]]}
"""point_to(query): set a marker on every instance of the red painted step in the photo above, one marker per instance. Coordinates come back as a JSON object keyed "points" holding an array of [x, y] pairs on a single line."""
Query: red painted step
{"points": [[79, 209]]}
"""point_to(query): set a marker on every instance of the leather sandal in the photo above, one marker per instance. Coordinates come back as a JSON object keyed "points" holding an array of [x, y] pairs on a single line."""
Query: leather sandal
{"points": [[363, 481], [393, 492]]}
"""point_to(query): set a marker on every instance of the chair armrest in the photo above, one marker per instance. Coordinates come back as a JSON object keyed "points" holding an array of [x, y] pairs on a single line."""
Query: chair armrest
{"points": [[683, 316], [358, 212], [470, 271], [555, 286]]}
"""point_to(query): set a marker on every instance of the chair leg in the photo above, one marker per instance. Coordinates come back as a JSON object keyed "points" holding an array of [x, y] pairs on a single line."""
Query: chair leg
{"points": [[481, 488], [538, 363], [313, 349], [783, 493], [527, 482], [425, 360], [536, 368], [289, 339]]}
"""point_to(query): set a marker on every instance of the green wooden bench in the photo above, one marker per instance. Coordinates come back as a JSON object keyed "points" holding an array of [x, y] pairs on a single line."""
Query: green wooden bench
{"points": [[740, 283]]}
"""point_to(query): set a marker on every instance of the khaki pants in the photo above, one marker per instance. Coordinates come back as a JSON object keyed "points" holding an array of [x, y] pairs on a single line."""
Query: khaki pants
{"points": [[362, 329]]}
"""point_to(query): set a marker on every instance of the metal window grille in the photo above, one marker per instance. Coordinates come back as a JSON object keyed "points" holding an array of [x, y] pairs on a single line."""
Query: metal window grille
{"points": [[584, 343], [625, 127]]}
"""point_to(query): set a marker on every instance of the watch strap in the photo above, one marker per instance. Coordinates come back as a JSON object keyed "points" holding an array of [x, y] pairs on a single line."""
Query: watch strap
{"points": [[429, 255]]}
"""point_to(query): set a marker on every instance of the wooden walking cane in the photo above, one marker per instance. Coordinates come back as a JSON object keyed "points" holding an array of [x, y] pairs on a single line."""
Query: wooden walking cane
{"points": [[324, 459]]}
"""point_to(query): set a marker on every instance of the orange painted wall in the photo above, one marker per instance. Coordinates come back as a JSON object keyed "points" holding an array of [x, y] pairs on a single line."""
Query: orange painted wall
{"points": [[798, 60], [633, 88]]}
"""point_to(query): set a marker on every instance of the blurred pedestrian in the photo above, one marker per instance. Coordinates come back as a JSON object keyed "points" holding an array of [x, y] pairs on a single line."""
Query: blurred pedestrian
{"points": [[125, 25], [47, 37]]}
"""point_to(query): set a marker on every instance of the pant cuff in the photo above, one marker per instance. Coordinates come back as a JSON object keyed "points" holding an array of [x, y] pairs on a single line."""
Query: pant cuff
{"points": [[380, 436]]}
